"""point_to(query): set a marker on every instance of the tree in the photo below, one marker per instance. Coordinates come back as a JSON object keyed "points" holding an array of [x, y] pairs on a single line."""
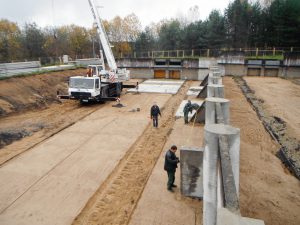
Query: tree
{"points": [[33, 41], [79, 39], [10, 47], [237, 23], [215, 30], [169, 35]]}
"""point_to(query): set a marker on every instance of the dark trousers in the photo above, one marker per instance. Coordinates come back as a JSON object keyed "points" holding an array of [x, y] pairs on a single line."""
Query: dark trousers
{"points": [[186, 117], [171, 179], [155, 121]]}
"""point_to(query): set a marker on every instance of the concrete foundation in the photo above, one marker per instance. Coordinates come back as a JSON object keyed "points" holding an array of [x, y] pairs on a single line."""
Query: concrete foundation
{"points": [[215, 90], [211, 166], [225, 217], [191, 168], [211, 110], [158, 86]]}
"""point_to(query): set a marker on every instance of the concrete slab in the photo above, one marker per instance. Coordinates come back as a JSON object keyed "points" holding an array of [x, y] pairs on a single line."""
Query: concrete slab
{"points": [[158, 86], [194, 91], [159, 206], [167, 82], [225, 217], [179, 112], [52, 182], [153, 88]]}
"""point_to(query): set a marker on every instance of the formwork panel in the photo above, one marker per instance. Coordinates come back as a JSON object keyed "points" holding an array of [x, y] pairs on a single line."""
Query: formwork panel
{"points": [[253, 71], [191, 168], [271, 72]]}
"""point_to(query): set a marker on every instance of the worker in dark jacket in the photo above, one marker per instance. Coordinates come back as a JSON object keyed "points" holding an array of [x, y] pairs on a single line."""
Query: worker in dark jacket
{"points": [[154, 112], [171, 162], [186, 110]]}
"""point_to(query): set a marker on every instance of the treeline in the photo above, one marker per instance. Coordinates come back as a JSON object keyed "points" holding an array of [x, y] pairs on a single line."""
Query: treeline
{"points": [[243, 24], [34, 43]]}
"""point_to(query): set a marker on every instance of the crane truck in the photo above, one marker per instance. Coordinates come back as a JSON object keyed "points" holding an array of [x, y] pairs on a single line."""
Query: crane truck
{"points": [[99, 85]]}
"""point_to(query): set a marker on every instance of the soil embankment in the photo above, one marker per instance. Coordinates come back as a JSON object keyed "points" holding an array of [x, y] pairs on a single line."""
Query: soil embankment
{"points": [[18, 94], [276, 103], [30, 110], [267, 190]]}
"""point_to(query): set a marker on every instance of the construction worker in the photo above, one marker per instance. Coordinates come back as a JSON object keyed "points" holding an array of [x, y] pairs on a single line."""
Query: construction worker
{"points": [[154, 112], [187, 108], [89, 72], [170, 166]]}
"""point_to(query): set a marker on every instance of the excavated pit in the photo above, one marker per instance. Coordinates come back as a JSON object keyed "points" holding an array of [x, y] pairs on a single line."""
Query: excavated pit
{"points": [[289, 152]]}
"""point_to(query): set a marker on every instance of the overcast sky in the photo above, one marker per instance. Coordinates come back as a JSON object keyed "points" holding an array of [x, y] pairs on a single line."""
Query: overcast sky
{"points": [[65, 12]]}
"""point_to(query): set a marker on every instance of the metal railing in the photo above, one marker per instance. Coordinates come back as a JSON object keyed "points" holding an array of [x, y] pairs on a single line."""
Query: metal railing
{"points": [[273, 53]]}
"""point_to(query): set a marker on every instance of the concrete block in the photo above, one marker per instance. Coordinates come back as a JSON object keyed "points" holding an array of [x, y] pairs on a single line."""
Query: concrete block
{"points": [[191, 168], [214, 80], [225, 217], [211, 111]]}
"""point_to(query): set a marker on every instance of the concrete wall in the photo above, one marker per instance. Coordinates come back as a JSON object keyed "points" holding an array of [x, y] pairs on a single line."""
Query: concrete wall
{"points": [[136, 73], [290, 72], [189, 74], [235, 69], [197, 69]]}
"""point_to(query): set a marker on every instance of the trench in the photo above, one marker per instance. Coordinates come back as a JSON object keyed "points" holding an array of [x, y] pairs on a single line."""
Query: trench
{"points": [[108, 205], [289, 152]]}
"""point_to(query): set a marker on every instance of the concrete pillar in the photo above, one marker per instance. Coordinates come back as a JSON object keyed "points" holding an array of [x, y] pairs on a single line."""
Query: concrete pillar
{"points": [[215, 90], [210, 166], [214, 80], [217, 73], [211, 110]]}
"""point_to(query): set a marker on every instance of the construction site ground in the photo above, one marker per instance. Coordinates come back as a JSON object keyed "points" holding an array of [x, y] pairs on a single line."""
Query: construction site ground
{"points": [[99, 164]]}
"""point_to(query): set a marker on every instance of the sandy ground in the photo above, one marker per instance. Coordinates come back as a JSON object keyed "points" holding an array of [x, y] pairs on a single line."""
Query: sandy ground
{"points": [[281, 98], [54, 180], [157, 205], [40, 124], [108, 167], [115, 201], [267, 190]]}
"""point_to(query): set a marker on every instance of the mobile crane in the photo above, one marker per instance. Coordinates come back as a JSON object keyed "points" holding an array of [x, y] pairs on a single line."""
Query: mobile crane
{"points": [[99, 85]]}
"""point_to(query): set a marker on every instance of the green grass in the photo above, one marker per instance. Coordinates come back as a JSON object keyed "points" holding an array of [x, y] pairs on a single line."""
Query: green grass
{"points": [[272, 57], [36, 73]]}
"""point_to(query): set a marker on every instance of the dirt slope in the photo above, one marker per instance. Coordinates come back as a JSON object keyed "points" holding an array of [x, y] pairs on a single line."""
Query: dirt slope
{"points": [[31, 92], [267, 190]]}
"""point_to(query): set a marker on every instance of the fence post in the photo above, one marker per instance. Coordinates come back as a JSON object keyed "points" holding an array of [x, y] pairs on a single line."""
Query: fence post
{"points": [[192, 52], [274, 50], [207, 53], [256, 54]]}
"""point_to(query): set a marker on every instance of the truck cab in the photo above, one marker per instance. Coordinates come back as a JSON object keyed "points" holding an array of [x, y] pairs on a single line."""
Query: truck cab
{"points": [[84, 89]]}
